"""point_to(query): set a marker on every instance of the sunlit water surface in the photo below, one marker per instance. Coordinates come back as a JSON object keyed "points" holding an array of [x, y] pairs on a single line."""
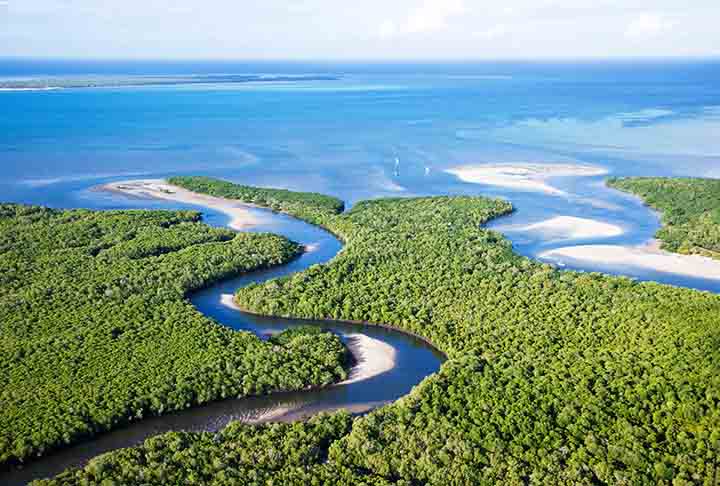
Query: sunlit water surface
{"points": [[343, 138]]}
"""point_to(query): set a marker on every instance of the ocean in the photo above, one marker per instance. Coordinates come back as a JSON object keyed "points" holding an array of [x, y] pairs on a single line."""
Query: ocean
{"points": [[366, 130]]}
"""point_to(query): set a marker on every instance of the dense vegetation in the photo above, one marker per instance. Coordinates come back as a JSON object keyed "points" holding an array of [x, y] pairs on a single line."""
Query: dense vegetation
{"points": [[275, 454], [690, 211], [552, 378], [95, 329], [307, 205]]}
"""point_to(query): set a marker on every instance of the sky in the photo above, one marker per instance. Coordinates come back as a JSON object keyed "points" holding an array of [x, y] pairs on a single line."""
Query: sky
{"points": [[367, 29]]}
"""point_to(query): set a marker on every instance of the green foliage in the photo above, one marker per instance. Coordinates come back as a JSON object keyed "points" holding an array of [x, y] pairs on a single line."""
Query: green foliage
{"points": [[95, 329], [275, 454], [690, 211], [553, 377], [308, 205]]}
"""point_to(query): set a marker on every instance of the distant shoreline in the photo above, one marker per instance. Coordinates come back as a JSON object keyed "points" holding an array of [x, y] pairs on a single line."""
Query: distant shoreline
{"points": [[39, 83]]}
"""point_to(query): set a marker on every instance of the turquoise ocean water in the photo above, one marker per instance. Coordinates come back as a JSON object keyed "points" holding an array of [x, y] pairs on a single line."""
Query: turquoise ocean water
{"points": [[342, 136]]}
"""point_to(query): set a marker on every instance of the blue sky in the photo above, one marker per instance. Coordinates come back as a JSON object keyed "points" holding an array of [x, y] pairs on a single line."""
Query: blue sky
{"points": [[369, 29]]}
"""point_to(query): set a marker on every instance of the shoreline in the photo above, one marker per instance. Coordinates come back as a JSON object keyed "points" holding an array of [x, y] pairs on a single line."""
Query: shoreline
{"points": [[647, 256], [390, 327], [372, 358], [241, 217]]}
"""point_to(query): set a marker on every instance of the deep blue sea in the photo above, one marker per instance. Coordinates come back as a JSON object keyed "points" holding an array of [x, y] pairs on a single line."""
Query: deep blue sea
{"points": [[343, 136]]}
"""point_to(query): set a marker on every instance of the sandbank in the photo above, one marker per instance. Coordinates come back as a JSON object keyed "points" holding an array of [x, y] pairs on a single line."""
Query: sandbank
{"points": [[372, 356], [646, 257], [266, 415], [561, 228], [240, 215], [228, 300], [524, 177], [312, 247]]}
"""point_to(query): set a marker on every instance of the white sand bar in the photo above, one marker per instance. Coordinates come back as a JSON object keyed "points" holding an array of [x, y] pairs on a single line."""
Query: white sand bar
{"points": [[240, 216], [373, 357], [562, 228], [524, 177], [646, 257], [228, 300]]}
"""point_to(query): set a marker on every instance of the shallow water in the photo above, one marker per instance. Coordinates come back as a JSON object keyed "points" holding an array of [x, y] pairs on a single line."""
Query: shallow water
{"points": [[342, 138]]}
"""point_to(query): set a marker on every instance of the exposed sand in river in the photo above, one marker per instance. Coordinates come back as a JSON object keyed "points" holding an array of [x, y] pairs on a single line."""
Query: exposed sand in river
{"points": [[228, 300], [562, 228], [646, 257], [372, 356], [525, 177], [240, 216]]}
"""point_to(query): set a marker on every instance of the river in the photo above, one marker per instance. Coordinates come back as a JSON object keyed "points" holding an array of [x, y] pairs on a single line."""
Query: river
{"points": [[414, 360]]}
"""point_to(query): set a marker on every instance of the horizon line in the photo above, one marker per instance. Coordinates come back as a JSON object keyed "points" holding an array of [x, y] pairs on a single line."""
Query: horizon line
{"points": [[399, 60]]}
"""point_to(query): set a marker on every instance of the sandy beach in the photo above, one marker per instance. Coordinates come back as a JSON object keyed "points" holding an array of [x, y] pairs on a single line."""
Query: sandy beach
{"points": [[373, 357], [228, 300], [240, 216], [561, 228], [524, 177], [312, 247], [646, 257]]}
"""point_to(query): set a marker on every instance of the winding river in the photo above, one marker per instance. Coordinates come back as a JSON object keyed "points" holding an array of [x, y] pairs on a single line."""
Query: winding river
{"points": [[413, 360]]}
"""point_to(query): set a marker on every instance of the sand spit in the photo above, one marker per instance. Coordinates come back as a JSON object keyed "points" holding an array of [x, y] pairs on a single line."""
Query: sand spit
{"points": [[228, 300], [240, 216], [646, 257], [373, 358], [312, 247], [524, 177], [561, 228]]}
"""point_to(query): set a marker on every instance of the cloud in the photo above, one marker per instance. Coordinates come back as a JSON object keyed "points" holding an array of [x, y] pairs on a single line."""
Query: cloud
{"points": [[493, 32], [430, 16], [387, 29], [649, 25], [382, 29], [433, 15]]}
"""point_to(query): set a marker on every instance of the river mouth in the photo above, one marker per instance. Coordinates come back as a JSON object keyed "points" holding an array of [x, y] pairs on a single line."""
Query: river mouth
{"points": [[414, 359]]}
